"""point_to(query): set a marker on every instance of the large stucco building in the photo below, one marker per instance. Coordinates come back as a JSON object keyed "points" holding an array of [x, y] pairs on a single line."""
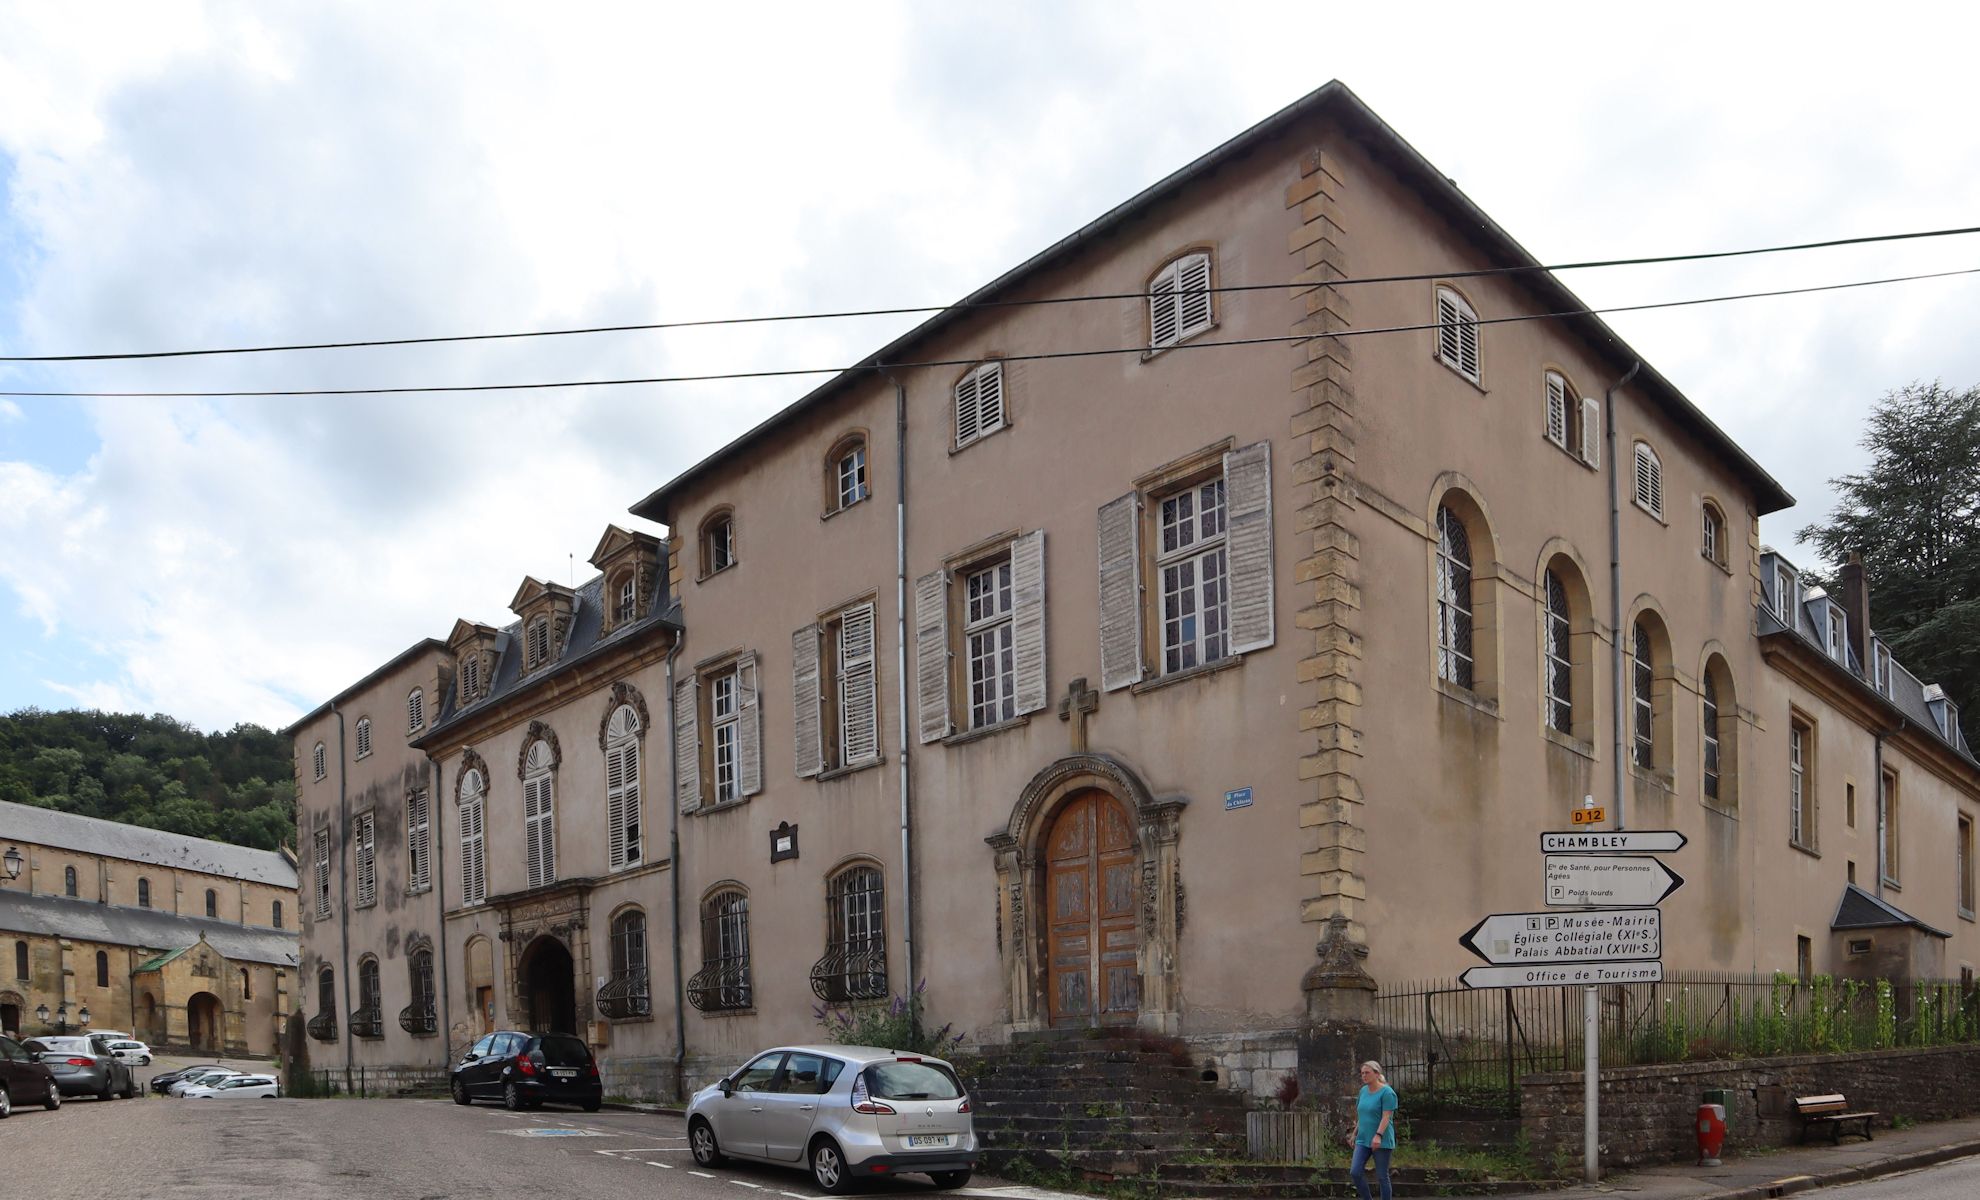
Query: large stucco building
{"points": [[182, 941], [1100, 687]]}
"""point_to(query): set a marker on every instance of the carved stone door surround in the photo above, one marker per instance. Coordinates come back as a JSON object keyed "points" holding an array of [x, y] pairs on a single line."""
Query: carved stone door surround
{"points": [[562, 914]]}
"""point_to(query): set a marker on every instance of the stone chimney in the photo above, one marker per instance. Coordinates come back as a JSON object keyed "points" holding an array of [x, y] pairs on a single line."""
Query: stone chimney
{"points": [[1856, 605]]}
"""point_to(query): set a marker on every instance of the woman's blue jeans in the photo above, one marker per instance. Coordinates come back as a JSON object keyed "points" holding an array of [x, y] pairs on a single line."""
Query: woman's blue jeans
{"points": [[1358, 1170]]}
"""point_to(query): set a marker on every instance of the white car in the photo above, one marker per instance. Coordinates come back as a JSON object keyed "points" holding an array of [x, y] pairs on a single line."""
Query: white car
{"points": [[239, 1087], [135, 1053], [201, 1079]]}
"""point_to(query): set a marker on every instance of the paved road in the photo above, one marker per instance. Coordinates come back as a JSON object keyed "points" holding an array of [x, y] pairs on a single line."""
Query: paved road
{"points": [[1955, 1180], [382, 1149]]}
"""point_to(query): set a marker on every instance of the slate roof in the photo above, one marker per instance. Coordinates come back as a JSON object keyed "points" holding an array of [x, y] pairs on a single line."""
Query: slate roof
{"points": [[1807, 620], [1861, 910], [112, 839], [86, 920], [582, 644]]}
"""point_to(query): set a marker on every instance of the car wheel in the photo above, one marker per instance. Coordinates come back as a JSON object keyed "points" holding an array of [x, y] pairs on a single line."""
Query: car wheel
{"points": [[828, 1167], [593, 1105], [53, 1100], [701, 1140], [512, 1098], [950, 1179], [106, 1092], [6, 1105], [460, 1093], [130, 1087], [145, 1061]]}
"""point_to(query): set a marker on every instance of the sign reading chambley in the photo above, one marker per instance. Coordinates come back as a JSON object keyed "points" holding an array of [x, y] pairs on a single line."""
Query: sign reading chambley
{"points": [[1544, 938], [1611, 841], [1607, 881]]}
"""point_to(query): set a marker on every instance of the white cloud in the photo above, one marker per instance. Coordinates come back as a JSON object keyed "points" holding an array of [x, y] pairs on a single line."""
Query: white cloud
{"points": [[10, 412]]}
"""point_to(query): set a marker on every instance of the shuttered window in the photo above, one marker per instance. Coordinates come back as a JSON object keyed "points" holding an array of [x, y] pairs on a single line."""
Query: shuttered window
{"points": [[998, 653], [363, 737], [318, 760], [979, 403], [622, 812], [1558, 656], [419, 833], [931, 655], [474, 845], [1457, 334], [687, 745], [1561, 413], [1591, 432], [1120, 592], [835, 702], [1193, 575], [858, 711], [1649, 493], [415, 711], [321, 861], [1455, 663], [539, 642], [735, 741], [539, 817], [1179, 301], [470, 678], [363, 836]]}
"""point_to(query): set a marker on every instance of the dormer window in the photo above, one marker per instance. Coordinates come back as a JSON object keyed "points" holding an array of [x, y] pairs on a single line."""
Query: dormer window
{"points": [[1881, 672], [1785, 597], [628, 604], [538, 648], [470, 678], [718, 543], [1836, 631]]}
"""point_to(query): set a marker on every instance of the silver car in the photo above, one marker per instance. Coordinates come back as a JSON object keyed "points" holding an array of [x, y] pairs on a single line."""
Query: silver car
{"points": [[840, 1112]]}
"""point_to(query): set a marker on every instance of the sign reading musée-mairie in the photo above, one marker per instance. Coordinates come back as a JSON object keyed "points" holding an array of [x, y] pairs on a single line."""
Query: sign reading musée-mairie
{"points": [[1528, 939]]}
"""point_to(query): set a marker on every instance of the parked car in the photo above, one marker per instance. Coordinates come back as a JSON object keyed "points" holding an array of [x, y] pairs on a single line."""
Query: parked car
{"points": [[199, 1079], [135, 1053], [840, 1112], [525, 1070], [166, 1079], [86, 1066], [25, 1079], [239, 1087]]}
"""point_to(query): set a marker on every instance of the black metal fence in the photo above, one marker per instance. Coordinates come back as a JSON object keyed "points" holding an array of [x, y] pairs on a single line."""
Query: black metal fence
{"points": [[1471, 1048]]}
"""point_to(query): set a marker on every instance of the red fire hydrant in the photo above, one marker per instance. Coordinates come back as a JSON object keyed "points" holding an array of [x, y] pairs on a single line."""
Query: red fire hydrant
{"points": [[1711, 1133]]}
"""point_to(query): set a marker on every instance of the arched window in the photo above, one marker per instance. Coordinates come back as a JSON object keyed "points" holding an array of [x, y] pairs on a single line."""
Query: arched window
{"points": [[1712, 536], [855, 962], [723, 983], [1649, 694], [718, 542], [1719, 720], [326, 993], [318, 761], [20, 960], [1567, 646], [1455, 662], [622, 809], [415, 711], [68, 881], [368, 1020], [474, 848], [144, 893], [247, 984], [102, 968], [1457, 334], [420, 1017], [626, 607], [627, 993], [276, 914], [1559, 655], [364, 737], [212, 903], [540, 815], [980, 409], [1179, 301], [845, 473], [1649, 482]]}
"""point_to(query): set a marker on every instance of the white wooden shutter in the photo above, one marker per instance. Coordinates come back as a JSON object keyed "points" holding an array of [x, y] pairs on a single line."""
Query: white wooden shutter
{"points": [[1162, 308], [749, 727], [474, 858], [1120, 592], [1557, 410], [807, 740], [419, 838], [1468, 344], [1448, 341], [989, 398], [859, 718], [1192, 294], [931, 654], [615, 805], [367, 861], [968, 412], [687, 747], [635, 826], [539, 831], [322, 857], [1028, 620], [1248, 492], [1591, 432]]}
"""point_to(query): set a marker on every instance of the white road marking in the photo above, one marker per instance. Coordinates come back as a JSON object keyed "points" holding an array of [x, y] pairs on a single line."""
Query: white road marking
{"points": [[668, 1166], [703, 1174], [797, 1196], [740, 1183]]}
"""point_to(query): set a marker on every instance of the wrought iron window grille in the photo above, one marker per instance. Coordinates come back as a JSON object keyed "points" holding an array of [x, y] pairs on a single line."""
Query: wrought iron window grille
{"points": [[721, 987], [418, 1021], [367, 1023], [323, 1027], [855, 971], [626, 997]]}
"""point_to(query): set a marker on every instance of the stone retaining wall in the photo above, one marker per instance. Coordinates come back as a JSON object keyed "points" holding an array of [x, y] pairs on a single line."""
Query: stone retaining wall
{"points": [[1647, 1112]]}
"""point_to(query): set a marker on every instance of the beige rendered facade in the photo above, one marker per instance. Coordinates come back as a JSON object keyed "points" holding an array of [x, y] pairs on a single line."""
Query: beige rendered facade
{"points": [[1121, 680]]}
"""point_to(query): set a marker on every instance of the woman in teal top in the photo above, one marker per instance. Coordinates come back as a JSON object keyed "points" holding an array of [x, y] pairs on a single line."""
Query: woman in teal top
{"points": [[1374, 1129]]}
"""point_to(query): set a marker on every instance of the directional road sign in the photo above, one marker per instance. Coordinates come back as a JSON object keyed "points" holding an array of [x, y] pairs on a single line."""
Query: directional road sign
{"points": [[1583, 973], [1609, 841], [1533, 939], [1607, 881]]}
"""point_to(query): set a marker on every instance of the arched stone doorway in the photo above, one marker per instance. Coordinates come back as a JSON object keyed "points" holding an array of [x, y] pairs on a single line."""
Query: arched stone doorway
{"points": [[1089, 899], [549, 987], [11, 1008], [205, 1022]]}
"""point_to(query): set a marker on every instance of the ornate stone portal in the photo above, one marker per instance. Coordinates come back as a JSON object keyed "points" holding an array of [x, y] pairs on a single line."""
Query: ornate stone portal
{"points": [[561, 912], [1021, 922]]}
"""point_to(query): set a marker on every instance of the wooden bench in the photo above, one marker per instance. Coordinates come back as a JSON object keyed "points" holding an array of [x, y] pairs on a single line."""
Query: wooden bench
{"points": [[1832, 1113]]}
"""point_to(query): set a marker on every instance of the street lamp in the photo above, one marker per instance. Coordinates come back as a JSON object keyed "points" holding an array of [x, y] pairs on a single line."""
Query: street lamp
{"points": [[13, 861], [41, 1013], [83, 1016], [62, 1018]]}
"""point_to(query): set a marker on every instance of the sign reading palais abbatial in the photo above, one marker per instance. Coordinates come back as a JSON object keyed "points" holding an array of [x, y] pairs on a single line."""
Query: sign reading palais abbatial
{"points": [[1534, 939]]}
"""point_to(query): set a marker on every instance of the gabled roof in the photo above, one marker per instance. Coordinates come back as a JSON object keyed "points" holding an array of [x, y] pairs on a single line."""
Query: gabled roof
{"points": [[112, 839], [152, 964], [422, 646], [615, 540], [534, 589], [1861, 910], [1335, 101], [148, 928]]}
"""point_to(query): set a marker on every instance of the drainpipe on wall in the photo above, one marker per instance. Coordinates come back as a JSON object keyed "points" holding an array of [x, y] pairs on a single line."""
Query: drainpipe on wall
{"points": [[674, 875], [900, 686], [446, 1014], [344, 887], [1615, 583]]}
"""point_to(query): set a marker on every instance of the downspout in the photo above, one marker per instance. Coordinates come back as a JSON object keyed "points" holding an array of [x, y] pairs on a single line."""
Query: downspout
{"points": [[436, 805], [674, 874], [1616, 698], [908, 981], [344, 887]]}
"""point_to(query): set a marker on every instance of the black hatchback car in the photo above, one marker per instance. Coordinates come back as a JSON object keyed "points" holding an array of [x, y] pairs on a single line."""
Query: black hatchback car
{"points": [[525, 1070], [24, 1080]]}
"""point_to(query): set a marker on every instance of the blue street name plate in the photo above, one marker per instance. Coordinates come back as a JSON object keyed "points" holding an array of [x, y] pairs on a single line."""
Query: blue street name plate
{"points": [[1237, 798]]}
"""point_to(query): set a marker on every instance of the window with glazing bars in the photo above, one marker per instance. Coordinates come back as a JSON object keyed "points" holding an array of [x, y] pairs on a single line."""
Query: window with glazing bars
{"points": [[987, 629], [1963, 864], [1645, 703], [852, 476], [855, 962], [1559, 657], [1713, 535], [628, 600], [725, 721], [1709, 693], [419, 1017], [1193, 566], [367, 1021], [1454, 659], [723, 983], [1797, 782], [627, 994]]}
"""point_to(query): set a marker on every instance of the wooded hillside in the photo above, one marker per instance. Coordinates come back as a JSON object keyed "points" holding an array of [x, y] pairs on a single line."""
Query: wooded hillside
{"points": [[153, 771]]}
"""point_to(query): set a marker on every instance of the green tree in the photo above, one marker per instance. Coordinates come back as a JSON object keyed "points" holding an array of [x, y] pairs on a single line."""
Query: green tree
{"points": [[1914, 517]]}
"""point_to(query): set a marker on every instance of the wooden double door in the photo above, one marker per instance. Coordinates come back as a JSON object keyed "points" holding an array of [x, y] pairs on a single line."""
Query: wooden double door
{"points": [[1091, 865]]}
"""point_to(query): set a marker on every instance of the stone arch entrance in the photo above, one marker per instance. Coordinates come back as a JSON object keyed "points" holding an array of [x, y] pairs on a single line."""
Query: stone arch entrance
{"points": [[1089, 899], [11, 1007], [549, 987], [205, 1022]]}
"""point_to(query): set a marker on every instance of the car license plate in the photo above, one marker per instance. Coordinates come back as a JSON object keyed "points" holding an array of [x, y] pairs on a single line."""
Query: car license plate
{"points": [[563, 1074], [928, 1139]]}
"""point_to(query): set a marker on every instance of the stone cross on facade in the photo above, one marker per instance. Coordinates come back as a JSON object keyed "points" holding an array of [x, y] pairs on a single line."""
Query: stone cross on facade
{"points": [[1080, 702]]}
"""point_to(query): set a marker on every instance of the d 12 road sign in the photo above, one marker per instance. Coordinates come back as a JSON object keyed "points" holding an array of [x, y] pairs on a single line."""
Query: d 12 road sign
{"points": [[1581, 973], [1607, 881], [1542, 938], [1611, 841]]}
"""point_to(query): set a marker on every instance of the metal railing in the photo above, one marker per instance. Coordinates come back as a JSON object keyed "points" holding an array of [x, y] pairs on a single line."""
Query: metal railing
{"points": [[721, 987], [625, 997], [418, 1020], [851, 972], [323, 1027], [367, 1023]]}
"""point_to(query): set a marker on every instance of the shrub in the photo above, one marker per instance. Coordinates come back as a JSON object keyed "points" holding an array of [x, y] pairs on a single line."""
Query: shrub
{"points": [[898, 1024]]}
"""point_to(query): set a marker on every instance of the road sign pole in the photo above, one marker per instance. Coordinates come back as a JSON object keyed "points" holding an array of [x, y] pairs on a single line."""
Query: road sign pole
{"points": [[1591, 1089]]}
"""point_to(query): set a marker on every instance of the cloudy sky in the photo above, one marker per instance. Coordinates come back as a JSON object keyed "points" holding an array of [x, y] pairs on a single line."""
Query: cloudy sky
{"points": [[181, 175]]}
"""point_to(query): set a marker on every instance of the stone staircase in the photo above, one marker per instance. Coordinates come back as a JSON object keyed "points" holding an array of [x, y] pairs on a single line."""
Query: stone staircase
{"points": [[1104, 1104]]}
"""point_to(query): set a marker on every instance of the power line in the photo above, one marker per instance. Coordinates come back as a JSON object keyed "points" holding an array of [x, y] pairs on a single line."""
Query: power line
{"points": [[920, 310], [963, 362]]}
